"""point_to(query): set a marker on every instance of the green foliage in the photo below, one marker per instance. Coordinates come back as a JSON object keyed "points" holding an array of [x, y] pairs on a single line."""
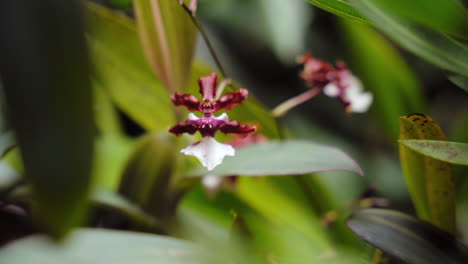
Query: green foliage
{"points": [[86, 246], [384, 72], [429, 181], [47, 86], [274, 158], [451, 152], [340, 8], [407, 238]]}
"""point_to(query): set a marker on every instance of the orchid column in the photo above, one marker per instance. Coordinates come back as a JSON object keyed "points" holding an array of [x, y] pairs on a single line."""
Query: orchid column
{"points": [[209, 151]]}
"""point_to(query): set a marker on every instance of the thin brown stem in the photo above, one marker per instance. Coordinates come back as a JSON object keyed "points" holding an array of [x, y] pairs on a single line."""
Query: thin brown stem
{"points": [[202, 31]]}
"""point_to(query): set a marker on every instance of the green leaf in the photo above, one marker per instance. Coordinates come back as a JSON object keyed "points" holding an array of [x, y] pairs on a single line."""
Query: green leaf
{"points": [[394, 85], [340, 8], [121, 69], [113, 201], [430, 182], [432, 46], [451, 152], [168, 38], [7, 141], [148, 177], [276, 158], [441, 15], [459, 81], [407, 238], [101, 246], [8, 176], [49, 101]]}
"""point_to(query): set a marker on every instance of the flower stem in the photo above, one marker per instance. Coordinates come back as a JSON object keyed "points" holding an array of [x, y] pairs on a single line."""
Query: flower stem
{"points": [[284, 107], [202, 31]]}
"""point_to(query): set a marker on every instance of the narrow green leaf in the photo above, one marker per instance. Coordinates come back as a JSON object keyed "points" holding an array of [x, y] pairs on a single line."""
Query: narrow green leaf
{"points": [[407, 238], [7, 141], [430, 182], [442, 15], [340, 8], [459, 81], [432, 46], [101, 246], [451, 152], [394, 85], [168, 38], [45, 75], [274, 158], [8, 176], [113, 201]]}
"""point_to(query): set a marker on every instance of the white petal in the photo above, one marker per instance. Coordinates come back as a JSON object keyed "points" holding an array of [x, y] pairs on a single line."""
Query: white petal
{"points": [[223, 117], [209, 152], [212, 182], [192, 116], [360, 103], [331, 90]]}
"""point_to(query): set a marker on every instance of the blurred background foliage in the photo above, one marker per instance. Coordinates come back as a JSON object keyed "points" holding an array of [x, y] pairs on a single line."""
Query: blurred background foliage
{"points": [[407, 57]]}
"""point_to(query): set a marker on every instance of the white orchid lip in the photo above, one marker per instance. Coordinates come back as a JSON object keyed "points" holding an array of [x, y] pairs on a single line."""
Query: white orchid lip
{"points": [[359, 100], [209, 152]]}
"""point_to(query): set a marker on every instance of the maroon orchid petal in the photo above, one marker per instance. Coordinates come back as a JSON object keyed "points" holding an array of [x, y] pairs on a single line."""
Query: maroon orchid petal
{"points": [[208, 87], [231, 99], [236, 128], [184, 127], [187, 100]]}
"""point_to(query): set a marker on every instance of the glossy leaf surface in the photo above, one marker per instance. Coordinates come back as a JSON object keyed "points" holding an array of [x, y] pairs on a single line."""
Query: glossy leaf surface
{"points": [[407, 238], [340, 8]]}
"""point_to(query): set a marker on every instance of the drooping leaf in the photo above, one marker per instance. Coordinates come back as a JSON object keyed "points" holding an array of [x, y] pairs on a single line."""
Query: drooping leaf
{"points": [[430, 182], [435, 47], [7, 141], [385, 73], [407, 238], [45, 72], [451, 152], [8, 176], [276, 158], [340, 8], [168, 38], [445, 16], [101, 246]]}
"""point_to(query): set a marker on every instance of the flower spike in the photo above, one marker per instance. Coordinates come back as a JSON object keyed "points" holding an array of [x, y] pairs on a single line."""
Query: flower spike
{"points": [[210, 152]]}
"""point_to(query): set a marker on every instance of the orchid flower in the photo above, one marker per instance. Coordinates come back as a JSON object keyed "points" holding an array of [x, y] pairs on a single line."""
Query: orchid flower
{"points": [[336, 82], [208, 151]]}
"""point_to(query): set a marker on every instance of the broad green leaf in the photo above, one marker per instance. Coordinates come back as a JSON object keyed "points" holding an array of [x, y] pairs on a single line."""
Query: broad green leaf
{"points": [[168, 38], [49, 101], [451, 152], [86, 246], [407, 238], [394, 85], [459, 81], [339, 7], [121, 69], [432, 46], [442, 15], [430, 182], [290, 157]]}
